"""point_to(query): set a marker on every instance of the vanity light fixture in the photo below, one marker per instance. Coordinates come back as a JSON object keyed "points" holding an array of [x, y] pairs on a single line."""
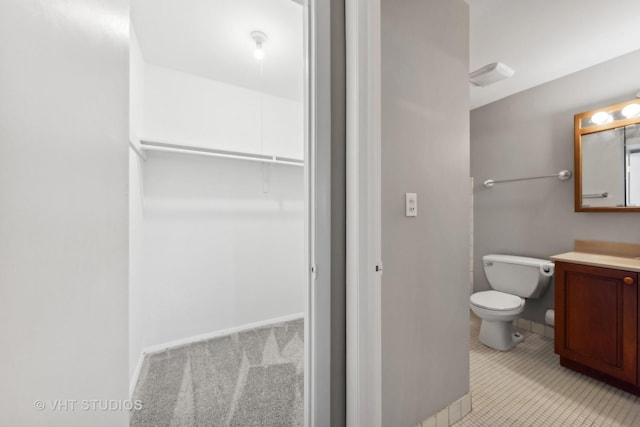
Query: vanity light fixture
{"points": [[631, 110], [601, 117], [259, 38], [490, 74]]}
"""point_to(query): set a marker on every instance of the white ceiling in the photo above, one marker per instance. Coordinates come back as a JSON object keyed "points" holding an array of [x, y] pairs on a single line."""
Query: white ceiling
{"points": [[210, 38], [543, 40]]}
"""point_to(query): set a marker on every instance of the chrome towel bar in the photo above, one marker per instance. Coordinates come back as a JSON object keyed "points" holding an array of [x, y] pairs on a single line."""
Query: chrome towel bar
{"points": [[563, 175], [595, 195]]}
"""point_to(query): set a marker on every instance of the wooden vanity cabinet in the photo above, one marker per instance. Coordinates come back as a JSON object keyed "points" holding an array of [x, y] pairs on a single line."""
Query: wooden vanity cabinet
{"points": [[596, 322]]}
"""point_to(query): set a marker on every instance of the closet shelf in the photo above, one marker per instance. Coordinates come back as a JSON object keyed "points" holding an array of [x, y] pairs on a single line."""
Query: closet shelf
{"points": [[148, 145]]}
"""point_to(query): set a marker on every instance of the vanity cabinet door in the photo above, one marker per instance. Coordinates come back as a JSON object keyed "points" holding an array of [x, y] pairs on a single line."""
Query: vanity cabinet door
{"points": [[596, 318]]}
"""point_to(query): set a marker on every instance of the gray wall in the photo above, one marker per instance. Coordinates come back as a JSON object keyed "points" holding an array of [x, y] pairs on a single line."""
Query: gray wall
{"points": [[529, 134], [63, 215], [425, 149]]}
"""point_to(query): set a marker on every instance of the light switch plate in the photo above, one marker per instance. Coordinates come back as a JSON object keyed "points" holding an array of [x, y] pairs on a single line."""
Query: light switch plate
{"points": [[411, 204]]}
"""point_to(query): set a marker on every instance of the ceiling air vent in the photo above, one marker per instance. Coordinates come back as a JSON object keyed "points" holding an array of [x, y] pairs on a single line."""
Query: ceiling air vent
{"points": [[490, 74]]}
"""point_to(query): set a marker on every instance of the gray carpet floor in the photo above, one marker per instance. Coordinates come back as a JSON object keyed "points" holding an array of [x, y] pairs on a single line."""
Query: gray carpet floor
{"points": [[251, 378]]}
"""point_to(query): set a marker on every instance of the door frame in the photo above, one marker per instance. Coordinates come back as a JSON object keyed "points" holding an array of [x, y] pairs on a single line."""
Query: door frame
{"points": [[363, 213], [364, 235], [317, 97]]}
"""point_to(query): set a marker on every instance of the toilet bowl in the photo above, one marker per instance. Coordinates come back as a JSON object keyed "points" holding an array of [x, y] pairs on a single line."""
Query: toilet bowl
{"points": [[513, 278]]}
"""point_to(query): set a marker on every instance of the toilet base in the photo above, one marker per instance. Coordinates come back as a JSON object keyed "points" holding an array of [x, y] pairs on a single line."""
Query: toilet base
{"points": [[498, 334]]}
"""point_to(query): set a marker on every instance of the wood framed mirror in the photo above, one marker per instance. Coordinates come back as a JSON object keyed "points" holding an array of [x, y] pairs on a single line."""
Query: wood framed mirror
{"points": [[607, 158]]}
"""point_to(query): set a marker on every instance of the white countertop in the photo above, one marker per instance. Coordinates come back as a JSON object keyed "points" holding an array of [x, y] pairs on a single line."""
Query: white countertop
{"points": [[597, 260]]}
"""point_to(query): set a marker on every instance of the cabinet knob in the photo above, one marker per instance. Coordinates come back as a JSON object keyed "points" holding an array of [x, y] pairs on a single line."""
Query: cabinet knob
{"points": [[628, 280]]}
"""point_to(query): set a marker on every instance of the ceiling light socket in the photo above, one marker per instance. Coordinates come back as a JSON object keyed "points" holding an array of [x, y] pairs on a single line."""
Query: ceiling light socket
{"points": [[259, 37], [490, 74]]}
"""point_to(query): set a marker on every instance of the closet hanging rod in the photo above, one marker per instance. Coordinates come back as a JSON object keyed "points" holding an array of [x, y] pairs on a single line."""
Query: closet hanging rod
{"points": [[211, 152], [563, 175]]}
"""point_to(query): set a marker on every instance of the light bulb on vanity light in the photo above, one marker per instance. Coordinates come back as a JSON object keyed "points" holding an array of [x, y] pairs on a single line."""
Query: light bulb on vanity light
{"points": [[259, 38], [601, 117], [631, 110]]}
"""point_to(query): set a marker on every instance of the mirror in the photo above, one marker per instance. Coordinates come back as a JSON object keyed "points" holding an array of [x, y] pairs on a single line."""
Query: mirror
{"points": [[607, 159]]}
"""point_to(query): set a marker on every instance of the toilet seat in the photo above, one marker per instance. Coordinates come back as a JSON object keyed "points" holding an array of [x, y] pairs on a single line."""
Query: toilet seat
{"points": [[496, 300]]}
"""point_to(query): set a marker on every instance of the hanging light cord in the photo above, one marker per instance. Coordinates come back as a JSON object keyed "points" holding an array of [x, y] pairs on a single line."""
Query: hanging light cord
{"points": [[262, 106]]}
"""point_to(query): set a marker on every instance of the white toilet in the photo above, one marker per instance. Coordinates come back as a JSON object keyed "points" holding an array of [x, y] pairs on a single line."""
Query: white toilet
{"points": [[513, 278]]}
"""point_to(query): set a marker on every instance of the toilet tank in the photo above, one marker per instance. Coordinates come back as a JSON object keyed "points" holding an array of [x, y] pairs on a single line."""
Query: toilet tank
{"points": [[518, 275]]}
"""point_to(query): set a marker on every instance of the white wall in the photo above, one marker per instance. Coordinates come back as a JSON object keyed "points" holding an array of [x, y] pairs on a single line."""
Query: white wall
{"points": [[181, 107], [215, 243], [425, 149], [63, 215], [218, 252], [137, 69], [136, 251], [136, 198]]}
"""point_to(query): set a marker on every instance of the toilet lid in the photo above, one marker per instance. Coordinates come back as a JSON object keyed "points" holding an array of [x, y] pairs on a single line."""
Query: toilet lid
{"points": [[494, 300]]}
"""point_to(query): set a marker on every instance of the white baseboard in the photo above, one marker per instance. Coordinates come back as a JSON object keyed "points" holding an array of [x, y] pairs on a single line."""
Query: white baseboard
{"points": [[159, 348]]}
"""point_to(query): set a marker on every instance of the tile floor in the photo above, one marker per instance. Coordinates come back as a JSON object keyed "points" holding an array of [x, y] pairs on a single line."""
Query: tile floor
{"points": [[527, 387]]}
